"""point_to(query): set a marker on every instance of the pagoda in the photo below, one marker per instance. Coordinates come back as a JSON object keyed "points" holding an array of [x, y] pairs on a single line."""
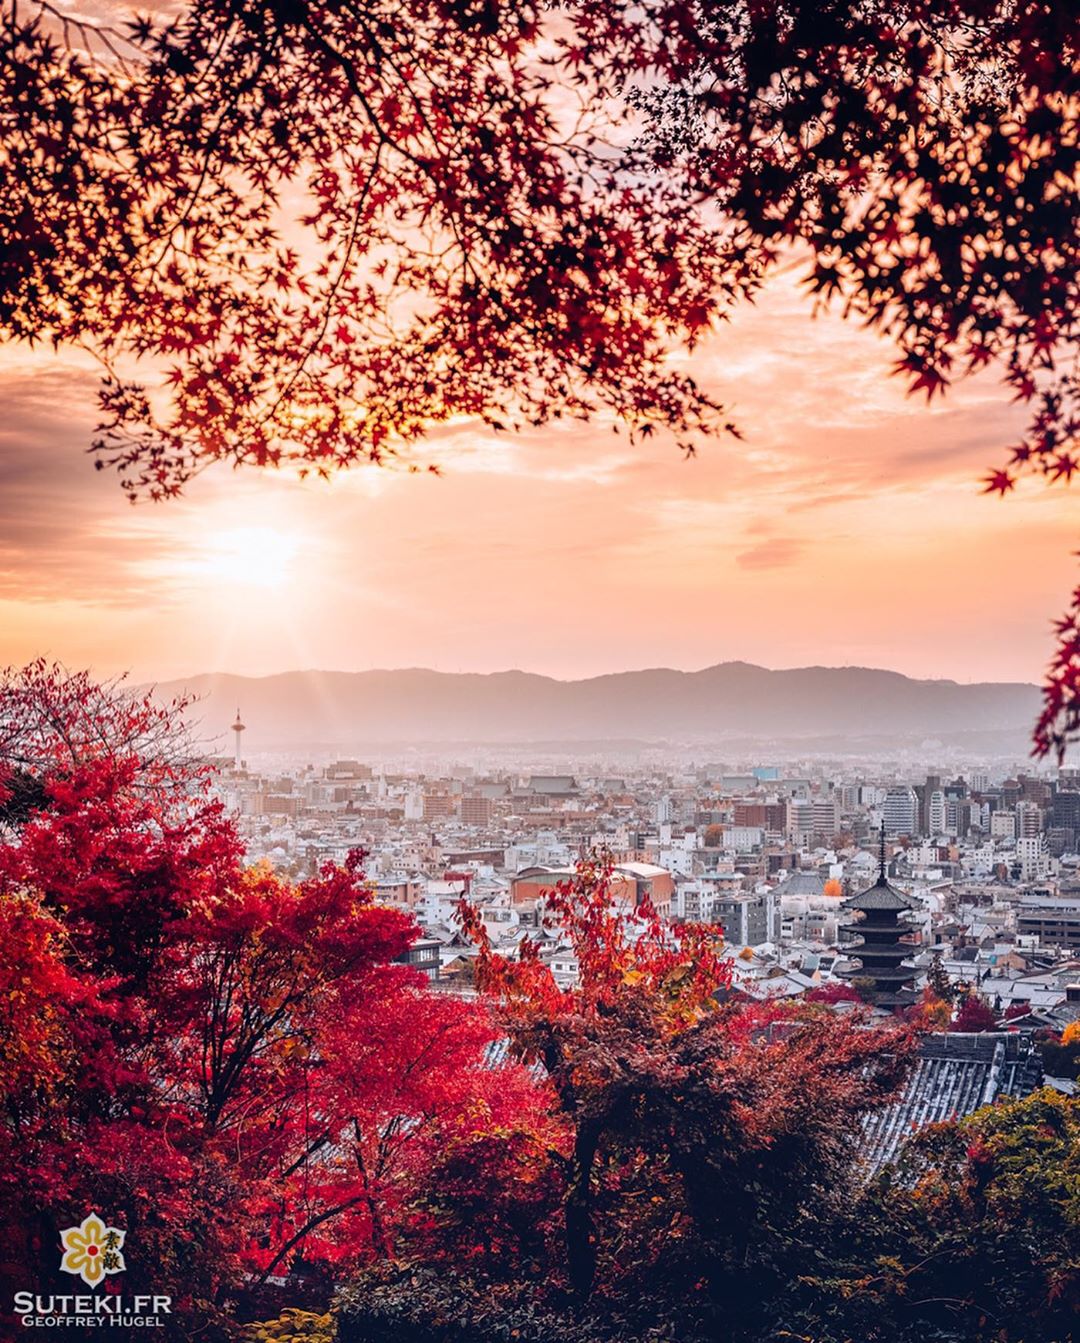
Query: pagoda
{"points": [[882, 957]]}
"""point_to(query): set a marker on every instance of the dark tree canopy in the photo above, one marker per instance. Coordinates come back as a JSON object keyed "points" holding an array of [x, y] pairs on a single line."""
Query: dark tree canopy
{"points": [[325, 229], [338, 226]]}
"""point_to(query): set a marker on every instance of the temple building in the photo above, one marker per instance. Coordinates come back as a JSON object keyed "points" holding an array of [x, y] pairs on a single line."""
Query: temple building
{"points": [[888, 980]]}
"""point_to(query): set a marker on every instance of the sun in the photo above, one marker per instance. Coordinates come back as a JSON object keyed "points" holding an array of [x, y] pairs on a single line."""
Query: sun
{"points": [[256, 557]]}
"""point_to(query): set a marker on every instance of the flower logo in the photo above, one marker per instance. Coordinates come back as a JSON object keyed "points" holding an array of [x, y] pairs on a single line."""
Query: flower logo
{"points": [[92, 1250]]}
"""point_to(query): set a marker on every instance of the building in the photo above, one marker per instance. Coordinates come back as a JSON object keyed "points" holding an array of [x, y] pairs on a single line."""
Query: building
{"points": [[799, 820], [881, 954], [900, 811], [1054, 920], [402, 891], [437, 806], [764, 815], [955, 1075], [423, 955], [748, 920], [476, 810], [936, 815], [1029, 820], [553, 785], [825, 820], [629, 885], [1033, 857], [807, 914], [650, 882]]}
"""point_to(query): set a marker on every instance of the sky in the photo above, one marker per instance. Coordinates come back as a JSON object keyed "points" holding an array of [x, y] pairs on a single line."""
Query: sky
{"points": [[847, 528]]}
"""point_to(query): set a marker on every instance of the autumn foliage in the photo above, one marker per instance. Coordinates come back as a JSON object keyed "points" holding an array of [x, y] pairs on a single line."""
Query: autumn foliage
{"points": [[976, 1242], [363, 221], [974, 1014], [687, 1111], [232, 1064], [236, 1067]]}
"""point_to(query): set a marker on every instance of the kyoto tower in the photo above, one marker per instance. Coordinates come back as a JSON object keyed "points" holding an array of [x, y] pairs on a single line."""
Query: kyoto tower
{"points": [[238, 728]]}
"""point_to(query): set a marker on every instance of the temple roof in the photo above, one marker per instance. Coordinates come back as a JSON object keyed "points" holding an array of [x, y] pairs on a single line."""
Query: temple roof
{"points": [[882, 975], [801, 883], [954, 1075], [880, 896], [885, 951]]}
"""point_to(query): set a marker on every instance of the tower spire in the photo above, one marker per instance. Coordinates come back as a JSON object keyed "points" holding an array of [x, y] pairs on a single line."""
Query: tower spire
{"points": [[238, 728], [882, 877]]}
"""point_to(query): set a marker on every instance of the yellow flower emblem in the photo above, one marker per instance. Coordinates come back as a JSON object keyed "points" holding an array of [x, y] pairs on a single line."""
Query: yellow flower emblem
{"points": [[92, 1250]]}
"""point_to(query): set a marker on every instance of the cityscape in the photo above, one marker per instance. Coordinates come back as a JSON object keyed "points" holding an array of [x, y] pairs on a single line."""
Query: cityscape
{"points": [[989, 861], [540, 671]]}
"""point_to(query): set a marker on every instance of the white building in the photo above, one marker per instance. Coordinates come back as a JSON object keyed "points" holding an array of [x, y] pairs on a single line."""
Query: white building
{"points": [[900, 810], [1034, 859]]}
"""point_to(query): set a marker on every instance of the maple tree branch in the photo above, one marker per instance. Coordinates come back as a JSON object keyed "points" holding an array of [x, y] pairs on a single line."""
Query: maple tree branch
{"points": [[333, 290], [305, 1230]]}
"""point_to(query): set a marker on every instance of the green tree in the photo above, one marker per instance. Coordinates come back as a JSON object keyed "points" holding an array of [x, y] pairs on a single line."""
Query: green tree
{"points": [[976, 1242]]}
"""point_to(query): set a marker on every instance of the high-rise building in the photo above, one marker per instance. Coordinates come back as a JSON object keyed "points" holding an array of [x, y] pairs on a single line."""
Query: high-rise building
{"points": [[899, 811], [1029, 819], [475, 810], [1033, 857], [800, 822], [437, 806], [825, 818], [1066, 810], [766, 815]]}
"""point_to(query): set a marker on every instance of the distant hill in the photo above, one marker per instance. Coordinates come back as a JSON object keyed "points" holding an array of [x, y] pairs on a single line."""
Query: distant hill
{"points": [[731, 700]]}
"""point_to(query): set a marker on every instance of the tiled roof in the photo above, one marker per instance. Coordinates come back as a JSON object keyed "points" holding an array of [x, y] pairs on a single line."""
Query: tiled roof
{"points": [[881, 896], [955, 1075], [801, 883]]}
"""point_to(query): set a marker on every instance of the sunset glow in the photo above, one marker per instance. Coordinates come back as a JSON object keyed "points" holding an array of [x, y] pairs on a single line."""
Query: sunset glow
{"points": [[248, 557], [847, 529]]}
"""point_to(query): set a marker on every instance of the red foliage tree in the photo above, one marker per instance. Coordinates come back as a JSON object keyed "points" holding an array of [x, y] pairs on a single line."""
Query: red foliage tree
{"points": [[932, 1012], [833, 993], [405, 1087], [974, 1014], [682, 1112], [473, 160], [473, 244], [229, 1065]]}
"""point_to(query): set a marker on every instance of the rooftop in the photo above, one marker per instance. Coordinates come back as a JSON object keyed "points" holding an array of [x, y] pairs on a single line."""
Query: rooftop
{"points": [[955, 1075], [880, 896]]}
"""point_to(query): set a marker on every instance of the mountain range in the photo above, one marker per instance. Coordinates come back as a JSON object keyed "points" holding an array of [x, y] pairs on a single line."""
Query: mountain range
{"points": [[730, 700]]}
